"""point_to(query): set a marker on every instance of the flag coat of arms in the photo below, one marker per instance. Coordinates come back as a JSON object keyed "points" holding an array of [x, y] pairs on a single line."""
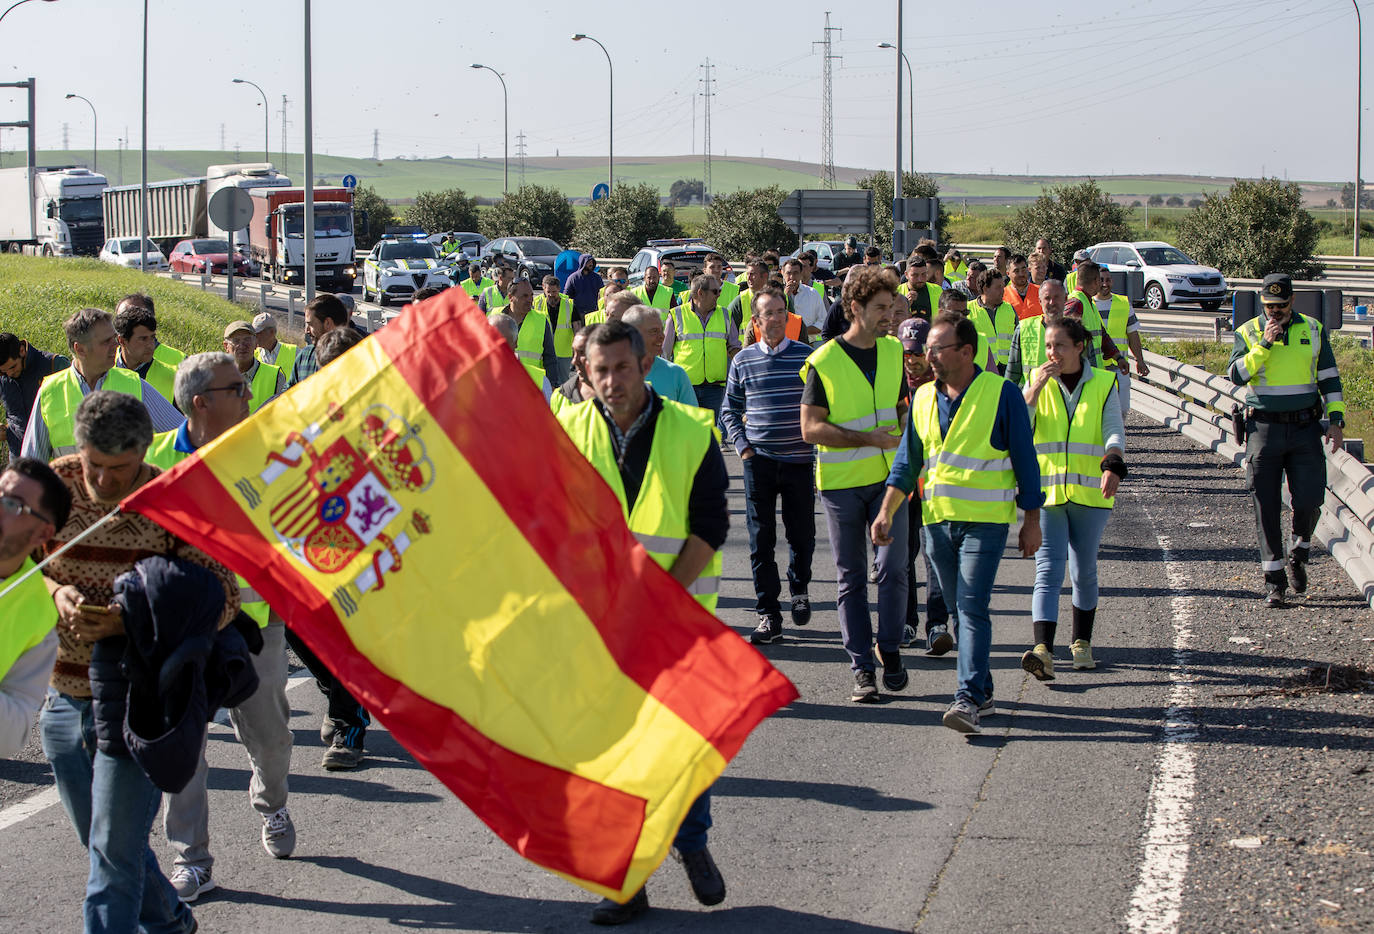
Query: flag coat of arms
{"points": [[417, 515]]}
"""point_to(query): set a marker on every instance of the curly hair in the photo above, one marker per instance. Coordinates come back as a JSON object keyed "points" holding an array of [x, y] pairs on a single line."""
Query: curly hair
{"points": [[864, 283]]}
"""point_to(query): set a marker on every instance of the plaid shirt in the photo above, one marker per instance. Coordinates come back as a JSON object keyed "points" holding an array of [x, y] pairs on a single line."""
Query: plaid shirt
{"points": [[306, 365]]}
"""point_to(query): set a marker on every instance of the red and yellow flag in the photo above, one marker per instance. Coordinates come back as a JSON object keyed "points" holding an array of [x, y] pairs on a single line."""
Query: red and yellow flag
{"points": [[417, 515]]}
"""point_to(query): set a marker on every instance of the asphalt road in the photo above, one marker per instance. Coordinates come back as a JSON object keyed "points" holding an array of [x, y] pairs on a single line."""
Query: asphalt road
{"points": [[876, 818]]}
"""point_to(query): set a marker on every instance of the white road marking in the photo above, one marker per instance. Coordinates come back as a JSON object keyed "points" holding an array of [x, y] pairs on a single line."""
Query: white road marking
{"points": [[1158, 897], [22, 810]]}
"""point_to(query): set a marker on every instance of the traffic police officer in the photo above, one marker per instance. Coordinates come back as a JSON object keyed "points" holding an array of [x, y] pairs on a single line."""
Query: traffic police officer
{"points": [[1285, 362]]}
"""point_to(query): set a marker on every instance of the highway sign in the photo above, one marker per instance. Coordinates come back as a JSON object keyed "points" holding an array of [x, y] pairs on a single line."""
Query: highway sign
{"points": [[349, 181], [601, 191], [825, 211], [231, 209]]}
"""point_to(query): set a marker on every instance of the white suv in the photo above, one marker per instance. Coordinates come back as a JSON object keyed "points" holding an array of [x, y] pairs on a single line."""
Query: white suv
{"points": [[1170, 276]]}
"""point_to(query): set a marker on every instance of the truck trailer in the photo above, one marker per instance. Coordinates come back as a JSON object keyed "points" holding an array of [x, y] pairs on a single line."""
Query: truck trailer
{"points": [[52, 211], [277, 233]]}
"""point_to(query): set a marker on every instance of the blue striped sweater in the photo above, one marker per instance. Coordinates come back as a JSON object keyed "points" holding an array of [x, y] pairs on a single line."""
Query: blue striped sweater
{"points": [[763, 402]]}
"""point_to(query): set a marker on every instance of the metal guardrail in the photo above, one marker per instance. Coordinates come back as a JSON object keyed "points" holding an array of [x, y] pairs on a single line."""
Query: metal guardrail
{"points": [[1198, 404]]}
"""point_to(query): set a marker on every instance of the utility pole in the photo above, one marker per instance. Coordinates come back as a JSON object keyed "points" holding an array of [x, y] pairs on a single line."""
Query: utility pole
{"points": [[520, 153], [827, 103], [222, 145], [707, 92], [119, 149], [376, 146], [283, 135], [65, 144]]}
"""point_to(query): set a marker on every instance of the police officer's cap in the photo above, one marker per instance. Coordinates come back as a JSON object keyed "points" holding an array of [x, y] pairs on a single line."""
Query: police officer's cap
{"points": [[1277, 289]]}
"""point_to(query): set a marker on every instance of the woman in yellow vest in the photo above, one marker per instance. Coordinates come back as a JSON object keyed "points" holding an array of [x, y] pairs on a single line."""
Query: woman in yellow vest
{"points": [[1079, 441]]}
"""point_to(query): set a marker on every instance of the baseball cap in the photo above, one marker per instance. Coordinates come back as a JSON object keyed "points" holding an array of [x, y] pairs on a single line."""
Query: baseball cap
{"points": [[1081, 256], [263, 322], [236, 326], [1277, 289], [912, 333]]}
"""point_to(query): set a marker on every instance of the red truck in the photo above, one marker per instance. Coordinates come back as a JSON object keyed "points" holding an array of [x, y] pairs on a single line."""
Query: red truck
{"points": [[277, 236]]}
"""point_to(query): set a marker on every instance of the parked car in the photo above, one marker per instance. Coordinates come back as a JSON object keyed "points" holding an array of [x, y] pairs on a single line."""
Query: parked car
{"points": [[205, 255], [1170, 275], [826, 251], [123, 251], [532, 257], [687, 256], [400, 268]]}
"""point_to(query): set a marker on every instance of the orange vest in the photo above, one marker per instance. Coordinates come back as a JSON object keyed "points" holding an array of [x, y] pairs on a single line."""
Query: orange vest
{"points": [[1028, 307], [794, 327]]}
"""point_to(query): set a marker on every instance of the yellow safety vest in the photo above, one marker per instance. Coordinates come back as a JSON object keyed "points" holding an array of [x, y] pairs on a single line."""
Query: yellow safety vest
{"points": [[858, 405], [163, 454], [1001, 322], [29, 615], [495, 300], [658, 520], [934, 291], [169, 355], [820, 288], [955, 273], [663, 296], [701, 351], [966, 478], [286, 356], [1118, 317], [746, 307], [1092, 321], [60, 394], [161, 377], [729, 291], [563, 326], [1070, 452], [529, 344], [474, 287], [1071, 281], [1032, 332], [1291, 369], [264, 385]]}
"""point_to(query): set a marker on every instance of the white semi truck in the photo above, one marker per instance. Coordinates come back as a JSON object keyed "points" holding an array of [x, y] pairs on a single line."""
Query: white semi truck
{"points": [[51, 211]]}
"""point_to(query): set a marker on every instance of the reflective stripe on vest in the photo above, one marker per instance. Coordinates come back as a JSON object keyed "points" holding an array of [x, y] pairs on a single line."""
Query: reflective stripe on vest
{"points": [[563, 326], [1291, 369], [658, 520], [286, 356], [701, 351], [495, 300], [662, 300], [595, 317], [474, 287], [1032, 342], [858, 405], [529, 344], [1118, 318], [264, 386], [966, 478], [1092, 321], [1001, 326], [60, 394], [1070, 452], [26, 617]]}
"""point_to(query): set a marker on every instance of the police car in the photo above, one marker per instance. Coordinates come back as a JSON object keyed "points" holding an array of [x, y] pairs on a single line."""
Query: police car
{"points": [[398, 267], [687, 254]]}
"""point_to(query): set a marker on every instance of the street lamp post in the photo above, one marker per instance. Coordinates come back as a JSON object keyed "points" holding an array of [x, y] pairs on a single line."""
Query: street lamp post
{"points": [[266, 126], [13, 5], [910, 108], [505, 124], [1359, 114], [95, 132], [143, 156], [610, 162]]}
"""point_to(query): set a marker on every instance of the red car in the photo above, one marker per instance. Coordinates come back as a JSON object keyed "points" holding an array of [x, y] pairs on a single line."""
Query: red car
{"points": [[205, 256]]}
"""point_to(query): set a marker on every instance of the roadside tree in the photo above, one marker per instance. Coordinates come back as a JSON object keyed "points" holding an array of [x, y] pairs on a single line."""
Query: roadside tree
{"points": [[1072, 217], [379, 215], [439, 211], [914, 185], [747, 222], [619, 224], [533, 211], [1256, 228]]}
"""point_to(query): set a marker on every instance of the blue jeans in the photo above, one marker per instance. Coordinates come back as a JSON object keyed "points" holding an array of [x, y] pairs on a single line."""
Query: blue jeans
{"points": [[765, 481], [849, 514], [965, 556], [937, 614], [67, 730], [1069, 531], [710, 396], [691, 836]]}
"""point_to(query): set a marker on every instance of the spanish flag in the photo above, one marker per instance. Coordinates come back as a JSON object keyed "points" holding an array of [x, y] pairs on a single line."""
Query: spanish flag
{"points": [[417, 515]]}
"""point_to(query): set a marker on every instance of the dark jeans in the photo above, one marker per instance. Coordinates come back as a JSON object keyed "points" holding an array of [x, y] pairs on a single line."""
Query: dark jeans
{"points": [[691, 836], [350, 718], [765, 480], [710, 396], [849, 513], [937, 614]]}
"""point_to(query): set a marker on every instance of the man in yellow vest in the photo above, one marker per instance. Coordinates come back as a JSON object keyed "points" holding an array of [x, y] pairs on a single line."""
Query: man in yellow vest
{"points": [[215, 396], [741, 309], [992, 306], [475, 283], [970, 441], [136, 336], [851, 408], [661, 460], [91, 339], [266, 380], [1285, 363], [34, 503], [653, 292], [1087, 277], [714, 265], [270, 350], [534, 340], [166, 353], [922, 298], [558, 308], [1123, 328], [495, 297], [1028, 343], [702, 339]]}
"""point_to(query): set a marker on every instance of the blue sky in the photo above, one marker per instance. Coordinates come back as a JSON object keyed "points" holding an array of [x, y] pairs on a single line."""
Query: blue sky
{"points": [[1215, 87]]}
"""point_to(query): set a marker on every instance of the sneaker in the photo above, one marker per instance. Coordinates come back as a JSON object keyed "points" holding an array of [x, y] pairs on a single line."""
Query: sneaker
{"points": [[873, 572], [328, 728], [707, 883], [191, 882], [768, 630], [908, 636], [279, 834], [801, 609], [1082, 651], [986, 709], [609, 912], [1298, 571], [340, 757], [1274, 597], [895, 677], [962, 717], [938, 640], [1039, 662], [865, 688]]}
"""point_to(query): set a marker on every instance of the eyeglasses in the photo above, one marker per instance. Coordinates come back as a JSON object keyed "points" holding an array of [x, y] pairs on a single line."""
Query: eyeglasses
{"points": [[241, 340], [620, 281], [940, 348], [17, 507], [239, 389]]}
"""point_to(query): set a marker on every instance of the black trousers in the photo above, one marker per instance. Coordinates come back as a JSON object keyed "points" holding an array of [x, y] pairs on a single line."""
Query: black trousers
{"points": [[937, 613], [350, 718], [765, 482], [1274, 451]]}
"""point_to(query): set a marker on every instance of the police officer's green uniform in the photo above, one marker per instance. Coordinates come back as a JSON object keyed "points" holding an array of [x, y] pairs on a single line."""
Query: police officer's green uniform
{"points": [[1288, 383]]}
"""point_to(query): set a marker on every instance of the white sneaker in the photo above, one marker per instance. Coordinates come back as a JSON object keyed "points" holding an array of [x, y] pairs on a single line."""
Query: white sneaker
{"points": [[191, 882], [962, 717], [279, 834]]}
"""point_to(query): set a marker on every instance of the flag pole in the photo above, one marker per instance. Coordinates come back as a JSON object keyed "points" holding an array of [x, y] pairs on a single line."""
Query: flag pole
{"points": [[104, 521]]}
